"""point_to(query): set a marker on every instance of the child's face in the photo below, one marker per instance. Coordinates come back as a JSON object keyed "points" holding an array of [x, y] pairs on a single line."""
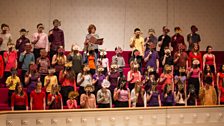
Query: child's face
{"points": [[23, 33], [208, 68]]}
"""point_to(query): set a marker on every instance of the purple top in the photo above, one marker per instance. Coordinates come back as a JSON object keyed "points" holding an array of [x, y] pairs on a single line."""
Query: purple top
{"points": [[113, 78], [33, 82], [99, 81], [154, 99], [168, 100], [56, 38], [152, 59]]}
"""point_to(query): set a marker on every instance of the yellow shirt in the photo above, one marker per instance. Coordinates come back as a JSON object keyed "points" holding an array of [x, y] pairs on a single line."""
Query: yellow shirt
{"points": [[53, 81], [139, 44], [14, 82]]}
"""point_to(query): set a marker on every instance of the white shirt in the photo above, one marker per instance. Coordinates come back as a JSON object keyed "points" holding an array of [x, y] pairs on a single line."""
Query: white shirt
{"points": [[87, 79], [42, 42], [6, 38]]}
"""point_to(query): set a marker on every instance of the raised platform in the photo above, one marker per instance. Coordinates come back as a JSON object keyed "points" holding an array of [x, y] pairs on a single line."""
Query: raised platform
{"points": [[156, 116]]}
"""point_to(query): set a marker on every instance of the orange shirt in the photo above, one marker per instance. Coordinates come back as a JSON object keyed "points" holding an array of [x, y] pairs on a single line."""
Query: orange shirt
{"points": [[91, 62]]}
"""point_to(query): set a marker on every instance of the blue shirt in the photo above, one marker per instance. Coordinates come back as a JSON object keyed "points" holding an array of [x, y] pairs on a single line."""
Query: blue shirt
{"points": [[26, 59]]}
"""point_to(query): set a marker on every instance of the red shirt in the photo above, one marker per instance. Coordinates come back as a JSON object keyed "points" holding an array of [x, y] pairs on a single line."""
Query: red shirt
{"points": [[19, 100], [1, 66], [209, 60], [57, 97], [37, 100], [193, 56]]}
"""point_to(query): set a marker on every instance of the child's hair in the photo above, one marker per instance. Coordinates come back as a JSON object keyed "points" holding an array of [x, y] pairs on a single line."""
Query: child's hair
{"points": [[220, 69], [16, 89]]}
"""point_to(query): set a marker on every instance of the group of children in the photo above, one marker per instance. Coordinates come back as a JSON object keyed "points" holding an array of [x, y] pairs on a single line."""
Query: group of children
{"points": [[88, 80]]}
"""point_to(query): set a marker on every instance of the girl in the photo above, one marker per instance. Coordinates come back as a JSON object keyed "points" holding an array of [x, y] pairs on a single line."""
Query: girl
{"points": [[134, 75], [122, 94], [209, 59], [88, 100], [50, 80], [43, 64], [220, 81], [207, 93], [91, 62], [104, 98], [167, 77], [67, 80], [167, 97], [153, 96], [195, 54], [113, 77], [194, 76], [54, 99], [72, 102], [208, 74], [10, 58], [83, 79], [31, 79], [98, 78], [59, 60], [104, 61], [191, 97], [138, 95], [19, 99]]}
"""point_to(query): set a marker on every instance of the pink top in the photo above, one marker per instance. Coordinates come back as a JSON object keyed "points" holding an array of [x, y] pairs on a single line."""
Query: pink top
{"points": [[123, 95], [137, 76], [72, 104], [42, 42], [88, 101], [12, 59], [195, 73]]}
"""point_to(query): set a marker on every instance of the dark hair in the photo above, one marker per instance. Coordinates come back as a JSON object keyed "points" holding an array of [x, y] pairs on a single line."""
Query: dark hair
{"points": [[220, 69], [195, 44], [91, 26], [4, 25], [137, 29], [39, 24], [209, 46], [122, 80], [16, 89], [177, 28], [205, 71]]}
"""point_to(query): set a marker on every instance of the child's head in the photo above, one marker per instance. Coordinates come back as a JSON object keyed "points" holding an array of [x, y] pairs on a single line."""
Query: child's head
{"points": [[4, 28], [40, 27], [43, 53], [91, 53], [86, 69], [177, 30], [39, 86], [23, 32], [194, 29], [221, 68], [195, 63], [11, 46], [209, 49], [105, 85], [73, 95], [151, 32], [118, 50], [167, 69], [51, 71], [56, 23], [61, 50], [28, 47], [13, 72], [19, 88]]}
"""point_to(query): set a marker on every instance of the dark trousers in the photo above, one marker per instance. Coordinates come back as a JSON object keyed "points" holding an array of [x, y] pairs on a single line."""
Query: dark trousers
{"points": [[121, 104], [103, 105], [36, 53], [23, 78], [10, 92], [20, 107], [64, 92], [52, 52], [131, 86]]}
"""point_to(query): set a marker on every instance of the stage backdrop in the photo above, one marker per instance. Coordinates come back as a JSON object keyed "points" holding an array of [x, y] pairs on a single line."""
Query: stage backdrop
{"points": [[116, 19]]}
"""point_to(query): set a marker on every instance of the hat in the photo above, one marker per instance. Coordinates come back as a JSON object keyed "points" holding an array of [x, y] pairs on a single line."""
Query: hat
{"points": [[23, 30], [118, 49], [150, 69], [167, 51], [75, 47], [13, 71], [196, 62], [73, 94], [68, 64], [51, 70], [114, 66], [89, 86], [105, 84], [100, 69], [103, 52]]}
